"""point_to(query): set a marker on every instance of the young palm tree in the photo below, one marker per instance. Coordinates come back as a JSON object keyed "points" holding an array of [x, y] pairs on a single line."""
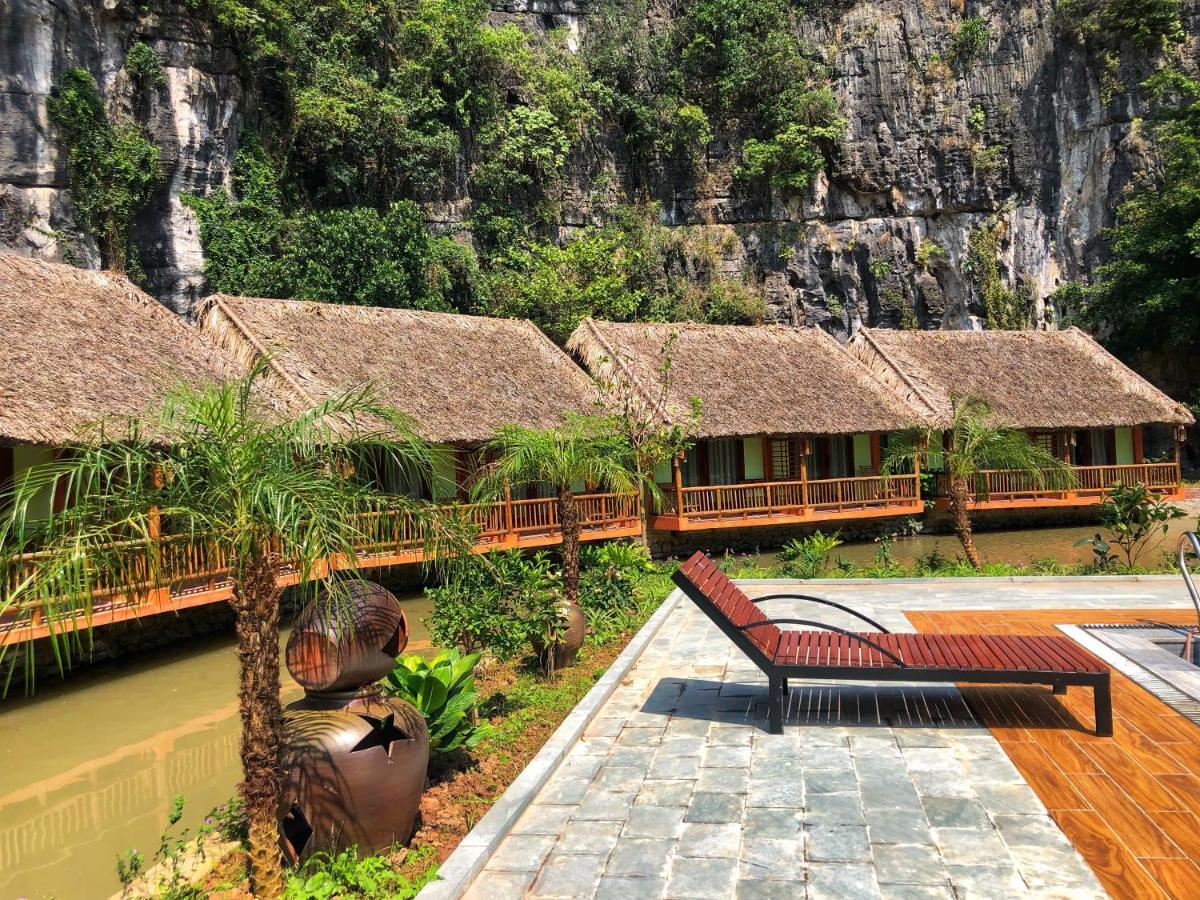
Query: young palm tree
{"points": [[975, 443], [584, 450], [253, 489]]}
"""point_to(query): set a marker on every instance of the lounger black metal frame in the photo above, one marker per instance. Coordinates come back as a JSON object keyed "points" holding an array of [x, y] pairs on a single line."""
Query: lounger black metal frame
{"points": [[778, 674]]}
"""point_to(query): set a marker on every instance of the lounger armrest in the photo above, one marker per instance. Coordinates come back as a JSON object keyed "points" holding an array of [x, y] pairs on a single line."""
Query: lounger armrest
{"points": [[824, 602], [850, 634]]}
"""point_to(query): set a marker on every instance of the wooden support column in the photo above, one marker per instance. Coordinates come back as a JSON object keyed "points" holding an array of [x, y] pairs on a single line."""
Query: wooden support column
{"points": [[508, 514], [1139, 449], [677, 476], [1068, 440], [804, 446], [159, 597]]}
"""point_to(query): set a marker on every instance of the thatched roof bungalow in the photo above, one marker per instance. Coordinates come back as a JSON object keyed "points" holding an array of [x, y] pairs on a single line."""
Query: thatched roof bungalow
{"points": [[458, 378], [1034, 380], [749, 380], [82, 347]]}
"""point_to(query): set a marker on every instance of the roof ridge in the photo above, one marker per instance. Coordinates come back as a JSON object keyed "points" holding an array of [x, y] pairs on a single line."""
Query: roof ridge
{"points": [[265, 354], [655, 406], [891, 363]]}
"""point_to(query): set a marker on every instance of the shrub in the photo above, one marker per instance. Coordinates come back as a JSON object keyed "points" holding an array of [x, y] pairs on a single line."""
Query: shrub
{"points": [[609, 578], [443, 690], [144, 66], [496, 603], [930, 254], [1132, 516], [111, 168], [970, 40], [329, 875], [808, 557]]}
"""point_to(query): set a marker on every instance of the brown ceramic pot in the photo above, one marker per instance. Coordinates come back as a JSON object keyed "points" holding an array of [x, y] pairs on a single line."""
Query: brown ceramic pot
{"points": [[565, 652], [354, 761]]}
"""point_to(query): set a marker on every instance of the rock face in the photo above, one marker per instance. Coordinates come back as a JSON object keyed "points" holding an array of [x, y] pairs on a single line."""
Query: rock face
{"points": [[193, 117], [1023, 140]]}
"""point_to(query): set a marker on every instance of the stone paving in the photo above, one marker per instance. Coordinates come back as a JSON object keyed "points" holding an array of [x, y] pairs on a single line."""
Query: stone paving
{"points": [[676, 790]]}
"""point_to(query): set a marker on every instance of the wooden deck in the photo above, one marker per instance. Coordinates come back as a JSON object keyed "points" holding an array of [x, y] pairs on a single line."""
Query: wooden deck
{"points": [[787, 502], [192, 573], [1128, 803], [1015, 489]]}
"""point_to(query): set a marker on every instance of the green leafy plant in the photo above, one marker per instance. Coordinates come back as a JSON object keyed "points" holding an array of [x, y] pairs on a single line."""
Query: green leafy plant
{"points": [[144, 66], [970, 40], [341, 875], [111, 167], [609, 578], [496, 604], [808, 557], [443, 690], [1133, 517]]}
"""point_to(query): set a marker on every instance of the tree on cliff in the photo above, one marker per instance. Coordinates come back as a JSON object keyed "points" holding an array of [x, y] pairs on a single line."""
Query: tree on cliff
{"points": [[971, 444], [237, 486]]}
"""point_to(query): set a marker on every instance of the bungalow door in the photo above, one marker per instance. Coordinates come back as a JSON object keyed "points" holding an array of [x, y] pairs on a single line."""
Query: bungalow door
{"points": [[725, 461]]}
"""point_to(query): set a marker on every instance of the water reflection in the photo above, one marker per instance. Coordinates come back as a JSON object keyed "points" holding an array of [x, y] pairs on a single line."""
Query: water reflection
{"points": [[88, 768]]}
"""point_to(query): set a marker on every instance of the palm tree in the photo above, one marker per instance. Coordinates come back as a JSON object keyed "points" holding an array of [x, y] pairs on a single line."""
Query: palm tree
{"points": [[974, 443], [245, 485], [584, 450]]}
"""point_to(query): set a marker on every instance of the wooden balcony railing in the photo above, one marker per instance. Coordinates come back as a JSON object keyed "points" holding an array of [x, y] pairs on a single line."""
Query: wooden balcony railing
{"points": [[176, 571], [1008, 485], [788, 500]]}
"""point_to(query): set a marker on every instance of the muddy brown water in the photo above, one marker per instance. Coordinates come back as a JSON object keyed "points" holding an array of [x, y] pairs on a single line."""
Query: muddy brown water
{"points": [[88, 768]]}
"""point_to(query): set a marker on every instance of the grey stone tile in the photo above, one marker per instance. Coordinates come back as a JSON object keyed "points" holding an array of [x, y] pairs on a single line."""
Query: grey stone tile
{"points": [[921, 737], [967, 846], [540, 818], [640, 737], [715, 809], [881, 767], [908, 864], [675, 767], [565, 789], [619, 778], [772, 859], [568, 876], [632, 757], [815, 756], [730, 737], [522, 852], [500, 886], [955, 812], [605, 726], [702, 879], [654, 821], [641, 856], [1014, 799], [665, 792], [943, 783], [916, 892], [727, 757], [619, 887], [589, 838], [748, 889], [684, 725], [986, 882], [781, 792], [874, 743], [607, 805], [838, 881], [834, 809], [774, 766], [889, 793], [830, 781], [828, 843], [930, 759], [731, 781], [1030, 831], [780, 824], [683, 745], [711, 841], [899, 826], [995, 768], [579, 765]]}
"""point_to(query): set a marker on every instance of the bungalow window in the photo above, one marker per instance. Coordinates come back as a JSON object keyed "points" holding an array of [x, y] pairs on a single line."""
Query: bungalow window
{"points": [[785, 459], [725, 464]]}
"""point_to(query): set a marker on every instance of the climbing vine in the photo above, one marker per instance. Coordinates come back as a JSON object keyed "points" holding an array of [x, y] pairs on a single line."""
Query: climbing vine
{"points": [[1003, 307], [112, 168]]}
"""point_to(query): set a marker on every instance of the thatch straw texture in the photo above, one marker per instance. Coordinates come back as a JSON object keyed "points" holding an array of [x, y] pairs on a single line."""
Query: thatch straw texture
{"points": [[749, 380], [83, 347], [1031, 379], [458, 378]]}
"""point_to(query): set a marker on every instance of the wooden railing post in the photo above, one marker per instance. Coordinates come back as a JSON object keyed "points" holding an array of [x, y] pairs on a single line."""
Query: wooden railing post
{"points": [[804, 510], [508, 512], [677, 477]]}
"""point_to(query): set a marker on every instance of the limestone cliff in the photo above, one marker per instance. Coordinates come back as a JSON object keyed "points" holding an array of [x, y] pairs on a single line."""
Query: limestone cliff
{"points": [[1029, 141]]}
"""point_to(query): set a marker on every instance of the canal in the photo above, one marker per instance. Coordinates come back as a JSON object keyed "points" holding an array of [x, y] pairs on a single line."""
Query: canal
{"points": [[88, 768]]}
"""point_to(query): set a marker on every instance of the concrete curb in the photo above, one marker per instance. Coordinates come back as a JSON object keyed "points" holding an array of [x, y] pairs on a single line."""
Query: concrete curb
{"points": [[468, 859], [966, 579]]}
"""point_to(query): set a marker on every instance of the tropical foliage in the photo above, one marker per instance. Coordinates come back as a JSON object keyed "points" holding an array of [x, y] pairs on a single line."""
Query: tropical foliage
{"points": [[808, 557], [1133, 517], [972, 443], [237, 480], [443, 690]]}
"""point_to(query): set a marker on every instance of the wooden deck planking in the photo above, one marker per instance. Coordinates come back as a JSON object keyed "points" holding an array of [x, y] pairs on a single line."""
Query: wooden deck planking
{"points": [[1126, 802]]}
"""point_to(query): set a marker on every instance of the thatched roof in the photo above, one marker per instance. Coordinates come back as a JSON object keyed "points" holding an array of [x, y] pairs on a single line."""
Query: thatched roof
{"points": [[1031, 379], [458, 378], [83, 346], [749, 380]]}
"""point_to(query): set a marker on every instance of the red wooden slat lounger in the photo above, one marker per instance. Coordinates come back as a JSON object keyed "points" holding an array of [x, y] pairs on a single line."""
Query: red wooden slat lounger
{"points": [[836, 654]]}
